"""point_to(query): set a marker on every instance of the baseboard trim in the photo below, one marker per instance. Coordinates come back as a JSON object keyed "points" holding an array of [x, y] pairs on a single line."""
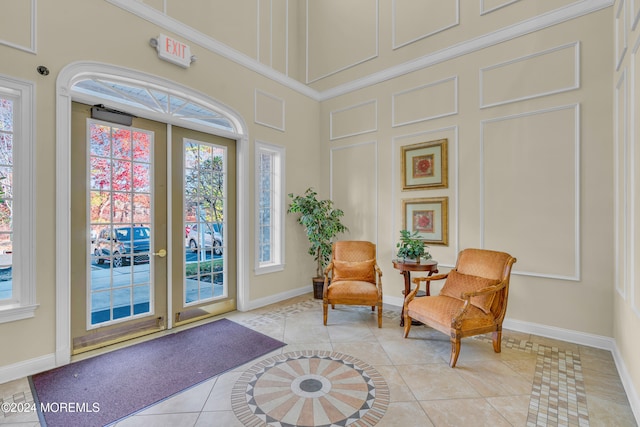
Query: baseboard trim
{"points": [[632, 393], [575, 337], [272, 299], [27, 367]]}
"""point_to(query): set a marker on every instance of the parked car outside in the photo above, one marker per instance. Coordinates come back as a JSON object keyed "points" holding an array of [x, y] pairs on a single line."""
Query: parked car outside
{"points": [[120, 245], [212, 238]]}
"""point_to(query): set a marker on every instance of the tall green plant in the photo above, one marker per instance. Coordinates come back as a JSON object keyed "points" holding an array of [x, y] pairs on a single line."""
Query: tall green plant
{"points": [[322, 223]]}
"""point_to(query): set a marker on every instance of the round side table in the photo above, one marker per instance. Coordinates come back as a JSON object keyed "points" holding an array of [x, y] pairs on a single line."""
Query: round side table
{"points": [[406, 268]]}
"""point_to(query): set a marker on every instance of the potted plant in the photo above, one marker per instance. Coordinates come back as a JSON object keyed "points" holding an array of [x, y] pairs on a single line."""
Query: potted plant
{"points": [[411, 248], [321, 222]]}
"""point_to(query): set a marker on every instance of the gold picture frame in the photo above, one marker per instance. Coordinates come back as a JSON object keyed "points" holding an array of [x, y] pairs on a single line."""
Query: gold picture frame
{"points": [[425, 165], [429, 217]]}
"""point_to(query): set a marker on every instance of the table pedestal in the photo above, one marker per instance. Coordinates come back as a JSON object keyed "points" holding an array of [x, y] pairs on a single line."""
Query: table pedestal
{"points": [[429, 266]]}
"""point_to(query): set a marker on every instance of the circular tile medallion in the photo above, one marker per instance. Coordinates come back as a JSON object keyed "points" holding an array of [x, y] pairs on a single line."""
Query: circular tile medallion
{"points": [[310, 388]]}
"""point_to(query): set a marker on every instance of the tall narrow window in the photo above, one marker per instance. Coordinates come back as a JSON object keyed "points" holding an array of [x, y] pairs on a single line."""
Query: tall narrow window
{"points": [[7, 293], [269, 212], [17, 287]]}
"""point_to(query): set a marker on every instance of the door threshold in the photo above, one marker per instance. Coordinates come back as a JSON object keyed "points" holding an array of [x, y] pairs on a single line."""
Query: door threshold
{"points": [[104, 338]]}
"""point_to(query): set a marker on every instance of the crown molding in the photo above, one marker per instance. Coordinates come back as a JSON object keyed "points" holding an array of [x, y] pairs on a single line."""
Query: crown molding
{"points": [[530, 25], [537, 23], [160, 19]]}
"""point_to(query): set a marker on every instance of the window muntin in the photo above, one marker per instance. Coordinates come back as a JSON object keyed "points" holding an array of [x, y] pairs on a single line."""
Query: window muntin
{"points": [[120, 211], [269, 211], [156, 100]]}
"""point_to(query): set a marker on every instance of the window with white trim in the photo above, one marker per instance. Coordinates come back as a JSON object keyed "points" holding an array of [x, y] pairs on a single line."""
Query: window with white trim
{"points": [[17, 254], [269, 208]]}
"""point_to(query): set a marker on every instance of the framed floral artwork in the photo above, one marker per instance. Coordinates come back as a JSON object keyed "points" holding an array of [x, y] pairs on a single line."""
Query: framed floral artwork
{"points": [[429, 217], [425, 165]]}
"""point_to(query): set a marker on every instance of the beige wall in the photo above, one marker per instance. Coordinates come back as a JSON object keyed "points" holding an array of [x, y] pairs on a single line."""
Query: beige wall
{"points": [[87, 32], [528, 117], [626, 115], [531, 177], [404, 31]]}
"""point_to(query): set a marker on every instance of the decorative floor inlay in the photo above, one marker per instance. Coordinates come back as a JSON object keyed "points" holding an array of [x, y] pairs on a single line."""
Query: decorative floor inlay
{"points": [[310, 388], [270, 317], [558, 395]]}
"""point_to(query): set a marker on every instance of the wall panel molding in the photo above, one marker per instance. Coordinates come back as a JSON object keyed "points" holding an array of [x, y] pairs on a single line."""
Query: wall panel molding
{"points": [[269, 110], [540, 73], [265, 25], [272, 50], [531, 25], [634, 160], [621, 33], [621, 219], [156, 17], [406, 102], [428, 31], [493, 6], [356, 61], [548, 19], [510, 196], [354, 120], [30, 30], [635, 14]]}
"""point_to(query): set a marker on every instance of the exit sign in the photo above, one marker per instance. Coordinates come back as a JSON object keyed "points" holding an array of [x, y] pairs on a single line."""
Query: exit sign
{"points": [[174, 51]]}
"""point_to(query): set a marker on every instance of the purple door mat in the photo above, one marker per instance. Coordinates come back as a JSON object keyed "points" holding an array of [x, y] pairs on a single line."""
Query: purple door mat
{"points": [[104, 389]]}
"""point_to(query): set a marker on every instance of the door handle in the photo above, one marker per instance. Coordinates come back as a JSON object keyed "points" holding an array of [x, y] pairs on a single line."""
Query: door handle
{"points": [[161, 253]]}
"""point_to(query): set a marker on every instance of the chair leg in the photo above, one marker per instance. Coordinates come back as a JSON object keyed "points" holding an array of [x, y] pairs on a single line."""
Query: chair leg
{"points": [[407, 324], [325, 310], [497, 341], [379, 316], [333, 306], [373, 308], [455, 351]]}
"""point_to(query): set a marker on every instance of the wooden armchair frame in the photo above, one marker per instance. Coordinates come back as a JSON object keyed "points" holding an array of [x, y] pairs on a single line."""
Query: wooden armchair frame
{"points": [[367, 293], [463, 323]]}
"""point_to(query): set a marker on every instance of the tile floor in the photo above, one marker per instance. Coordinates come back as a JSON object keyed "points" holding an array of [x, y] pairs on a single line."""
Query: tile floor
{"points": [[534, 381]]}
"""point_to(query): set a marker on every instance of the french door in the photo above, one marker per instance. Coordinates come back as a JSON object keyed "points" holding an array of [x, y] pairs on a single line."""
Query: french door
{"points": [[204, 170], [152, 229]]}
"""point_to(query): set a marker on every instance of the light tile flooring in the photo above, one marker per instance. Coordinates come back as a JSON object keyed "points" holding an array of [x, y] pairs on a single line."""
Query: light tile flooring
{"points": [[534, 381]]}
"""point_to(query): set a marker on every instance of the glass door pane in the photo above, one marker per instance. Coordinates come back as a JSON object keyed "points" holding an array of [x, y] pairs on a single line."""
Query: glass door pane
{"points": [[204, 213], [203, 191], [120, 221]]}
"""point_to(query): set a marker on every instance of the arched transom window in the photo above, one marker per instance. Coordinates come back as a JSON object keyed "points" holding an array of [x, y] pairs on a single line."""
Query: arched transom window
{"points": [[152, 99]]}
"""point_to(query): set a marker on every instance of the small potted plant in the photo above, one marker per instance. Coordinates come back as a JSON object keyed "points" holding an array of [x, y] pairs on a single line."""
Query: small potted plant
{"points": [[411, 248], [322, 224]]}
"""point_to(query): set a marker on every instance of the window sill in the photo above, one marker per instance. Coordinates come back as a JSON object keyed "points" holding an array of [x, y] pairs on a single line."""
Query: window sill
{"points": [[15, 312], [272, 268]]}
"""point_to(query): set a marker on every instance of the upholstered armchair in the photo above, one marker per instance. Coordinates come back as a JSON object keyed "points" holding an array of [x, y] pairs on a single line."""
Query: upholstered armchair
{"points": [[353, 277], [472, 301]]}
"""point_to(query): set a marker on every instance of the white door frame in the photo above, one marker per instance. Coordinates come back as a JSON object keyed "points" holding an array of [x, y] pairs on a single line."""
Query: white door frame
{"points": [[66, 79]]}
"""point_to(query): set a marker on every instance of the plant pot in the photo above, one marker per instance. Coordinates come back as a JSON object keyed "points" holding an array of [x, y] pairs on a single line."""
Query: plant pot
{"points": [[318, 287]]}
